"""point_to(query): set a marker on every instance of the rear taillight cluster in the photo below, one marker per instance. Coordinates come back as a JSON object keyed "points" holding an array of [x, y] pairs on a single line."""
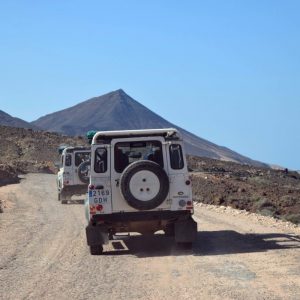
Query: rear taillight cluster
{"points": [[96, 187], [99, 207], [66, 178], [187, 204], [95, 208]]}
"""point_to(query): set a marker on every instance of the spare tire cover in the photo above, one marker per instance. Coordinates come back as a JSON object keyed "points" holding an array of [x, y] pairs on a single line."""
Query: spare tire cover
{"points": [[84, 172], [144, 185]]}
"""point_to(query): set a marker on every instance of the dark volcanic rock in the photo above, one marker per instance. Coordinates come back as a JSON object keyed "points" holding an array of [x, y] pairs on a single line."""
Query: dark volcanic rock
{"points": [[8, 174], [26, 150], [262, 190]]}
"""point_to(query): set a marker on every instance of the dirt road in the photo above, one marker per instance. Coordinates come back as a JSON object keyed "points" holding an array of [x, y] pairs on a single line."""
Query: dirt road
{"points": [[43, 255]]}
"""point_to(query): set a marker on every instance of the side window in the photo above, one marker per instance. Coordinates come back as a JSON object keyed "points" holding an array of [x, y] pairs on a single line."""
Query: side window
{"points": [[176, 157], [68, 161], [100, 163]]}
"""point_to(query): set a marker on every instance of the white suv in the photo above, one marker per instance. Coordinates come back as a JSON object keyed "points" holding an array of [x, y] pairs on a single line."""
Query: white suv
{"points": [[73, 175], [138, 183]]}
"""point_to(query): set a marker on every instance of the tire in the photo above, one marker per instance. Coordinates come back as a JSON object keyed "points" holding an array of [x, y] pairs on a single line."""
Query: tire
{"points": [[144, 185], [169, 230], [84, 172], [62, 197], [96, 249], [187, 245]]}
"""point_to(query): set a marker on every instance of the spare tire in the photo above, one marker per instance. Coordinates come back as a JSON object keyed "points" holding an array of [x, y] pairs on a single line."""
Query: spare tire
{"points": [[84, 172], [144, 185]]}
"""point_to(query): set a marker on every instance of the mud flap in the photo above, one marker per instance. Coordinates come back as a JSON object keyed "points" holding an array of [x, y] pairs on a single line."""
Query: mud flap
{"points": [[96, 235], [185, 231]]}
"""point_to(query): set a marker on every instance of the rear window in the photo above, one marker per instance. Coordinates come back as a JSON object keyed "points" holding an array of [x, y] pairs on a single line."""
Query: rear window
{"points": [[81, 157], [176, 157], [100, 163], [127, 152]]}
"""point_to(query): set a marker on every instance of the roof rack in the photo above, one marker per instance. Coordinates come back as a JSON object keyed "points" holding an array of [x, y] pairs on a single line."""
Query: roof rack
{"points": [[167, 133], [70, 149]]}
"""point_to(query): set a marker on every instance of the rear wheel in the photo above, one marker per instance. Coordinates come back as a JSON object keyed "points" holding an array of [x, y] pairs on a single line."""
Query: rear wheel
{"points": [[187, 245], [62, 198], [96, 249], [169, 230]]}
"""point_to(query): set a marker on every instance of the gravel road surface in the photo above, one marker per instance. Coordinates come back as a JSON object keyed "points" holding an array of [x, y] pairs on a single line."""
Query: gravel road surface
{"points": [[43, 254]]}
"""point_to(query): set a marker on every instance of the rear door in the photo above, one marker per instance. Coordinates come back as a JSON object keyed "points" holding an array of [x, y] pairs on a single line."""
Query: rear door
{"points": [[126, 151], [180, 184]]}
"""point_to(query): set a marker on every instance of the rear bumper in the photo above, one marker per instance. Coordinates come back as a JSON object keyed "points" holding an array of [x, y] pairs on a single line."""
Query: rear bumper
{"points": [[75, 189], [142, 216], [180, 222]]}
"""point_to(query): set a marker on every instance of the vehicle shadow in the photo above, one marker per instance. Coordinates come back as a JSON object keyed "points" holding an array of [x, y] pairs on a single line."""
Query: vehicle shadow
{"points": [[232, 242], [207, 243]]}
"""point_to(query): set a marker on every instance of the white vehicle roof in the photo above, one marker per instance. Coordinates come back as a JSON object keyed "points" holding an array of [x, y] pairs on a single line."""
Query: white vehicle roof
{"points": [[78, 148], [166, 132]]}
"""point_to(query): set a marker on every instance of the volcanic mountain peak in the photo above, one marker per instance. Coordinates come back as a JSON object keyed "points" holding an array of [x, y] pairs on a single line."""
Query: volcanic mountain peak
{"points": [[118, 111], [114, 96]]}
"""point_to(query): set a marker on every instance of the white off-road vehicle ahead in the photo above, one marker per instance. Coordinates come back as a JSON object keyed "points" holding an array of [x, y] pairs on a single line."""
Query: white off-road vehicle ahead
{"points": [[138, 183], [73, 175]]}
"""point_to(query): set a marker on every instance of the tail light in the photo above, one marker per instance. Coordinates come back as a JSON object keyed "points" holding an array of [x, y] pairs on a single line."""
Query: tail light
{"points": [[99, 207], [189, 203]]}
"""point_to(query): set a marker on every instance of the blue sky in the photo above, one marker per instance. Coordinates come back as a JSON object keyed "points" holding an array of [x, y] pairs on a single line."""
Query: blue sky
{"points": [[228, 71]]}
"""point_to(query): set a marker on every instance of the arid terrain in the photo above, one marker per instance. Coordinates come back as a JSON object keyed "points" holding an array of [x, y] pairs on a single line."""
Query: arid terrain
{"points": [[44, 254], [263, 190], [26, 150], [256, 189], [238, 254]]}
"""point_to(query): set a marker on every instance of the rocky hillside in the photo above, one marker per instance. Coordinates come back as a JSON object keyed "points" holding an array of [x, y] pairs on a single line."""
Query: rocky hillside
{"points": [[8, 120], [116, 111], [8, 174], [26, 150], [266, 191], [256, 189]]}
